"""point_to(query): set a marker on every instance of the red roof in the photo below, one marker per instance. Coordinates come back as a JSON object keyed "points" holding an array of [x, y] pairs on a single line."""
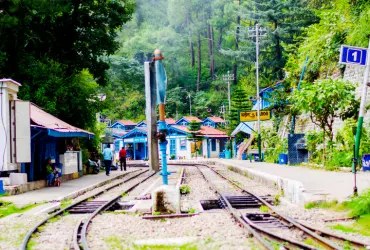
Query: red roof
{"points": [[127, 122], [205, 131], [192, 118], [43, 119], [170, 121], [216, 119], [212, 132]]}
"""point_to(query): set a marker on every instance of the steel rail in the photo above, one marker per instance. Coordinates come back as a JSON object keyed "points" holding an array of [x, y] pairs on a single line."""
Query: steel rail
{"points": [[306, 229], [106, 206], [60, 211], [237, 217], [313, 232]]}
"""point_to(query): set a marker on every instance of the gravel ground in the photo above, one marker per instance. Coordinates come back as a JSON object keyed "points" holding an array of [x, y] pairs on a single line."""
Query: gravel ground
{"points": [[210, 231], [207, 230], [14, 227], [58, 233], [315, 217], [199, 189]]}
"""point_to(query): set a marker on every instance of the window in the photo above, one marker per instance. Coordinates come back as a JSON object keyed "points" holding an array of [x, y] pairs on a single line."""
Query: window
{"points": [[116, 146], [213, 144], [183, 144]]}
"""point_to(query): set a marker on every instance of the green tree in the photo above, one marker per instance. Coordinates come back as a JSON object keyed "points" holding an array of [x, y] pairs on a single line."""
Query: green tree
{"points": [[324, 101], [239, 102], [51, 47], [195, 135]]}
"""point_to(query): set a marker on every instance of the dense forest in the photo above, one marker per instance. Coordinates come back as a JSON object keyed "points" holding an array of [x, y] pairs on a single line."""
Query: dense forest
{"points": [[67, 53]]}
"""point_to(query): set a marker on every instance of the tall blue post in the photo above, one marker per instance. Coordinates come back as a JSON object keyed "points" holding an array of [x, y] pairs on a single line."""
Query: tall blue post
{"points": [[163, 149]]}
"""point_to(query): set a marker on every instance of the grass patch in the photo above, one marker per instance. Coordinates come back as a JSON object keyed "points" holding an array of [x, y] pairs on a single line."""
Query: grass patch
{"points": [[325, 204], [192, 211], [264, 209], [311, 242], [185, 189], [230, 168], [31, 245], [359, 205], [124, 194], [156, 213], [65, 203], [361, 226], [8, 208], [277, 200]]}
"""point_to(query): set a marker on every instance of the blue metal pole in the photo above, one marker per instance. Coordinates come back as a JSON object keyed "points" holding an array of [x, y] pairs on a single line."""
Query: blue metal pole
{"points": [[163, 148]]}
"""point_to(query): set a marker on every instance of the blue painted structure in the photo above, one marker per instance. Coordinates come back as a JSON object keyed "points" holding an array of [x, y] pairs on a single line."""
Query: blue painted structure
{"points": [[184, 121], [122, 126], [46, 143], [210, 123]]}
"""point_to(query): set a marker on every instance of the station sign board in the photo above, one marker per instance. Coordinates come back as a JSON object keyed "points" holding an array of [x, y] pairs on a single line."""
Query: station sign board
{"points": [[251, 116], [353, 55]]}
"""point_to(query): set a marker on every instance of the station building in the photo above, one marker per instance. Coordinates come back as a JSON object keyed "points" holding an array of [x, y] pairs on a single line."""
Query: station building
{"points": [[28, 136], [179, 146]]}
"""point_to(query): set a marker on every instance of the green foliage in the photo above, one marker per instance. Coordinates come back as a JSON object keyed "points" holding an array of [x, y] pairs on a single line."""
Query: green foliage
{"points": [[8, 208], [50, 47], [273, 144], [360, 226], [192, 211], [185, 189], [325, 204], [324, 101], [264, 209], [359, 205]]}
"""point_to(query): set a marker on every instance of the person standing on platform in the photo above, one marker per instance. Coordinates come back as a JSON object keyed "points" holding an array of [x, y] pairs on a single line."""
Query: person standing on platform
{"points": [[122, 158], [108, 157]]}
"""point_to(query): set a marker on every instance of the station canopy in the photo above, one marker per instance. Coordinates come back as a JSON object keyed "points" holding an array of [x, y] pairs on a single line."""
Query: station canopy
{"points": [[245, 127]]}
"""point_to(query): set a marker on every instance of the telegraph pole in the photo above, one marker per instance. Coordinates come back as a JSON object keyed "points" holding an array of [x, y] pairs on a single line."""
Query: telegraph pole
{"points": [[258, 32], [228, 77]]}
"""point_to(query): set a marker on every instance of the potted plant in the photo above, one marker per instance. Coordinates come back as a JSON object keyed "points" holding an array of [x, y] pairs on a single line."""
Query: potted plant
{"points": [[172, 157]]}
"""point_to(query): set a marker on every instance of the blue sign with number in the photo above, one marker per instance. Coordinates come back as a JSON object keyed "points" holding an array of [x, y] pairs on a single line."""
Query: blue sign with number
{"points": [[353, 55]]}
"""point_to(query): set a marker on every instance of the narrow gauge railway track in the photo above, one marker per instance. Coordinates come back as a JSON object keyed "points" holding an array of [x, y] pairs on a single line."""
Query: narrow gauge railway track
{"points": [[88, 206], [267, 224]]}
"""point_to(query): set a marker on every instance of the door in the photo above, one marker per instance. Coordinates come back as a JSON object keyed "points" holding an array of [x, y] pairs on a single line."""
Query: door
{"points": [[173, 149]]}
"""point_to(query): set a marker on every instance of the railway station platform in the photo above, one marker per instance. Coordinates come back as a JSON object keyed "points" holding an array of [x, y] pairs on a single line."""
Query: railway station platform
{"points": [[303, 184], [68, 189]]}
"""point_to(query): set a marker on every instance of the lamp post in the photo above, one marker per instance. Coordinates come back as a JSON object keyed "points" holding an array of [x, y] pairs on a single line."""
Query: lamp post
{"points": [[258, 32], [227, 78]]}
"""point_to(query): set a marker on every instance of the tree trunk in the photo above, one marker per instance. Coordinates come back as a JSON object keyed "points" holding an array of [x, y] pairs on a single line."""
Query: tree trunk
{"points": [[235, 67], [210, 48], [220, 39], [192, 53], [279, 54], [199, 61]]}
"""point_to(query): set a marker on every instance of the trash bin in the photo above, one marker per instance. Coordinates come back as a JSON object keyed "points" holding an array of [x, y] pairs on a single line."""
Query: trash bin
{"points": [[244, 156], [283, 159], [2, 191], [227, 154], [366, 163]]}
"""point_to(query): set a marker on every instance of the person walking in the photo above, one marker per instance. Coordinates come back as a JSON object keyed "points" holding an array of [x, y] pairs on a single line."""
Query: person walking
{"points": [[122, 158], [108, 157]]}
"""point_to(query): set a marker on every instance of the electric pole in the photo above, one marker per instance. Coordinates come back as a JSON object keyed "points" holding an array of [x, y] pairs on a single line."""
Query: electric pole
{"points": [[228, 77], [258, 32]]}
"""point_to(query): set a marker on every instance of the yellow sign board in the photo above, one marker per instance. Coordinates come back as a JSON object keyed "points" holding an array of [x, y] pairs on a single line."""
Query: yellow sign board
{"points": [[250, 116]]}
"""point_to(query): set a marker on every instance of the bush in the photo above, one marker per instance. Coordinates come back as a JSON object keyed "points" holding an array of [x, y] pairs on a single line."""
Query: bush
{"points": [[359, 205], [185, 189]]}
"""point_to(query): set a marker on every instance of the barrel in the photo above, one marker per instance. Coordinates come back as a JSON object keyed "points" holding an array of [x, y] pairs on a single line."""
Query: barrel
{"points": [[244, 156], [283, 159]]}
